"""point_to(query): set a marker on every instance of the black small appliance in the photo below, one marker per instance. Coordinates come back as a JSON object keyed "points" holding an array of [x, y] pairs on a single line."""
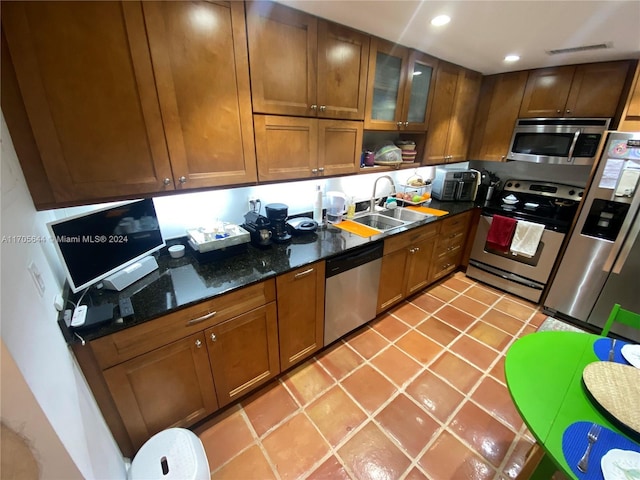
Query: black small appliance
{"points": [[277, 215], [259, 227]]}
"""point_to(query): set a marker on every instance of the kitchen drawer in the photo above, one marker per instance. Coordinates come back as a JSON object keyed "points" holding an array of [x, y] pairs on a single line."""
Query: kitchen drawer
{"points": [[441, 266], [126, 344], [447, 245], [453, 224], [402, 240]]}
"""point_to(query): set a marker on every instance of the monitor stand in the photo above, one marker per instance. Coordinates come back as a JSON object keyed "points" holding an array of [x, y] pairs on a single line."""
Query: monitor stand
{"points": [[134, 272]]}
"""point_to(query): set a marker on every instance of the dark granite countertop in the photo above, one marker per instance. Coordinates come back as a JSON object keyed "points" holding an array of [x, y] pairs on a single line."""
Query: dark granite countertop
{"points": [[179, 283]]}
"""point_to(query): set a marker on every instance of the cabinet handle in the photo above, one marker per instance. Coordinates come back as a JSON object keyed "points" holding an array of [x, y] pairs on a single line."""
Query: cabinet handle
{"points": [[314, 107], [568, 111], [399, 124], [446, 266], [182, 179], [213, 337], [314, 170], [558, 111], [166, 181], [303, 274], [502, 158], [406, 124], [321, 169], [198, 344], [201, 319], [323, 108]]}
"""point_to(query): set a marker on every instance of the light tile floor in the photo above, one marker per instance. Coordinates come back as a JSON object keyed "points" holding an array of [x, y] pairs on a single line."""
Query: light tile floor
{"points": [[417, 393]]}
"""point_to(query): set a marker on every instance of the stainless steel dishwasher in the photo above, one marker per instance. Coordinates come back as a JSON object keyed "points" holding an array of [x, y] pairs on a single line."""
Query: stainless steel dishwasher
{"points": [[351, 290]]}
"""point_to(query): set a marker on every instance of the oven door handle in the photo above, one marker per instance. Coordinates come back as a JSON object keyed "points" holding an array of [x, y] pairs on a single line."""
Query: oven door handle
{"points": [[573, 145]]}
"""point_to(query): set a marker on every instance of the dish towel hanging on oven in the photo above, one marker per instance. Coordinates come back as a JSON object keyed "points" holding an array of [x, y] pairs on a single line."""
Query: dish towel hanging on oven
{"points": [[526, 238], [500, 233]]}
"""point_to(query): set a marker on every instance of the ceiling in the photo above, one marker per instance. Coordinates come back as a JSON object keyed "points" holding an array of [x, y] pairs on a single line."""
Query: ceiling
{"points": [[481, 32]]}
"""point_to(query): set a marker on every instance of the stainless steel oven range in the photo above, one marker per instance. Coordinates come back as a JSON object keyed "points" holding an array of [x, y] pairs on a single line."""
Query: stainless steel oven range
{"points": [[550, 204]]}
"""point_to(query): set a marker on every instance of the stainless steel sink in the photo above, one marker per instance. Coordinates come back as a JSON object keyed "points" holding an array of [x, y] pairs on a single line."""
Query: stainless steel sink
{"points": [[405, 215], [392, 218]]}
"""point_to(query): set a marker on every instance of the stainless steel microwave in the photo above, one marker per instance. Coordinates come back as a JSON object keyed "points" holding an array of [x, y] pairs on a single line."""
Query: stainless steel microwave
{"points": [[563, 141]]}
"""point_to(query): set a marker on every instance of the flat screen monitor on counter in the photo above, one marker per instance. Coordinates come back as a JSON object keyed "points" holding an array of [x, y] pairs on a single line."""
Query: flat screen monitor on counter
{"points": [[111, 244]]}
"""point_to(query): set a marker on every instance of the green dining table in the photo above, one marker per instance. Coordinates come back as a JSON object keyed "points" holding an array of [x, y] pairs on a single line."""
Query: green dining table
{"points": [[544, 377]]}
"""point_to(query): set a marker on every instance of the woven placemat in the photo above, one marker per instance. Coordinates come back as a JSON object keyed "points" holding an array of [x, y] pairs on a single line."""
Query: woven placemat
{"points": [[616, 388]]}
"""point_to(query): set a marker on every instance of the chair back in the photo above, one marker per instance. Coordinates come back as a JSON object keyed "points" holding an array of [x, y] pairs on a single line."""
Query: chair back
{"points": [[620, 315]]}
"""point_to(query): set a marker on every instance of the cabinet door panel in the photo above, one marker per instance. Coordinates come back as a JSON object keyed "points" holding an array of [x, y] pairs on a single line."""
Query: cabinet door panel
{"points": [[339, 146], [420, 87], [546, 92], [203, 84], [464, 109], [244, 352], [441, 112], [87, 82], [286, 147], [596, 89], [283, 56], [343, 56], [168, 387], [392, 279], [385, 85], [419, 261], [300, 313], [500, 100]]}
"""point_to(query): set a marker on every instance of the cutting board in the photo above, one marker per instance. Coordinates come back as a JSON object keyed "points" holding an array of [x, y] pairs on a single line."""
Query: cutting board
{"points": [[428, 210], [616, 388], [357, 228]]}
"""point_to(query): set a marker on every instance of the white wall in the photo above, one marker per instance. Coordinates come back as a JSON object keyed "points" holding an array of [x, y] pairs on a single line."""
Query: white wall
{"points": [[32, 337]]}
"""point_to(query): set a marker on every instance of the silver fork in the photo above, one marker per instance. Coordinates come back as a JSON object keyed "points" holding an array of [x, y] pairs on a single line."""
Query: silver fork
{"points": [[592, 437]]}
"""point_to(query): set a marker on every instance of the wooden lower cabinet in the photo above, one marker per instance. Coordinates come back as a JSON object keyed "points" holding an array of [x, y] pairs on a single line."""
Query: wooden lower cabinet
{"points": [[167, 387], [450, 246], [406, 264], [300, 296], [244, 352]]}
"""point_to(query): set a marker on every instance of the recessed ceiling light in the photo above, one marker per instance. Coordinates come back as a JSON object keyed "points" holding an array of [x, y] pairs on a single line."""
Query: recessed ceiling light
{"points": [[440, 20], [511, 58]]}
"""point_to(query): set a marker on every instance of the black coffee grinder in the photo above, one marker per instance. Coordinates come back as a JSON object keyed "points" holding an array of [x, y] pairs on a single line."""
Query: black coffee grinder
{"points": [[277, 215]]}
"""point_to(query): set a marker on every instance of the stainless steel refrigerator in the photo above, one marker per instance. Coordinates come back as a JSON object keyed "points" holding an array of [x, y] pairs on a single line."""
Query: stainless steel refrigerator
{"points": [[601, 265]]}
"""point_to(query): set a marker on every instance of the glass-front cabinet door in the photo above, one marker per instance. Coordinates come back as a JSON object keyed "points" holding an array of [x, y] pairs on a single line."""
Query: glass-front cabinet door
{"points": [[386, 83], [399, 87], [419, 87]]}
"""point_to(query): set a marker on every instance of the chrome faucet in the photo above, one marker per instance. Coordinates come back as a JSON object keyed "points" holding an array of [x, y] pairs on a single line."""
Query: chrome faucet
{"points": [[372, 203]]}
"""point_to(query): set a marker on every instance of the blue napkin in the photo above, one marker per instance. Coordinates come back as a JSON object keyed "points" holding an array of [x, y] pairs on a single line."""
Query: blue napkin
{"points": [[574, 443], [602, 346]]}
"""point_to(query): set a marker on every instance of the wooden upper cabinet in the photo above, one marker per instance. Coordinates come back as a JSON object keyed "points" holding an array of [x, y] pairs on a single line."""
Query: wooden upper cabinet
{"points": [[298, 147], [303, 66], [589, 90], [456, 96], [498, 109], [87, 83], [630, 120], [199, 53], [399, 87]]}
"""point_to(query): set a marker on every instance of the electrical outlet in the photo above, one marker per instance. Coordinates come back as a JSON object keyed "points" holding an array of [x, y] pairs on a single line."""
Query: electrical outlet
{"points": [[253, 203], [37, 278]]}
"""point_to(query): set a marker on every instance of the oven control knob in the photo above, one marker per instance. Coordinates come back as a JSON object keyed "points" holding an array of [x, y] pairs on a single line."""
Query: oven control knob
{"points": [[509, 184], [580, 194], [517, 185], [572, 192]]}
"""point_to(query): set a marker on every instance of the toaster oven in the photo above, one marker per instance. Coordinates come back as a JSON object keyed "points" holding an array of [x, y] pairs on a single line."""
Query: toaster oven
{"points": [[455, 185]]}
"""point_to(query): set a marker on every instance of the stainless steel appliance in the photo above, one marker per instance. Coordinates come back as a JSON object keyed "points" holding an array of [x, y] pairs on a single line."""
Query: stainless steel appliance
{"points": [[458, 185], [566, 141], [351, 290], [602, 261], [550, 204]]}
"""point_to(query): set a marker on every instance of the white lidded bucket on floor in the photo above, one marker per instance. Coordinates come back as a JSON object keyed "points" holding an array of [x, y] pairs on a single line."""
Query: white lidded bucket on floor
{"points": [[173, 454]]}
